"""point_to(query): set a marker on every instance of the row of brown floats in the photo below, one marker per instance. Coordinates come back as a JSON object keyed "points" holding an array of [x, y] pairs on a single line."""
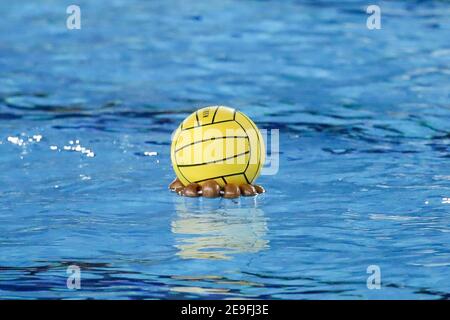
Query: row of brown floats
{"points": [[211, 189]]}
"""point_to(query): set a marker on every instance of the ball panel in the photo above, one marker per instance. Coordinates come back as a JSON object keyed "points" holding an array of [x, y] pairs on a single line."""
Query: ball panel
{"points": [[211, 170], [208, 115], [204, 151], [232, 160], [190, 121], [237, 179], [224, 114], [205, 115], [192, 135]]}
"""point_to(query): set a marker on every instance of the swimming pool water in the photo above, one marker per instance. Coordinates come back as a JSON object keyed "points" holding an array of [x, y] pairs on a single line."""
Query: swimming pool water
{"points": [[86, 118]]}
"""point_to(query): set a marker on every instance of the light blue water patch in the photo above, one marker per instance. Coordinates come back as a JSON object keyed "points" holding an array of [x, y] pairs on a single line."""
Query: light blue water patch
{"points": [[86, 118]]}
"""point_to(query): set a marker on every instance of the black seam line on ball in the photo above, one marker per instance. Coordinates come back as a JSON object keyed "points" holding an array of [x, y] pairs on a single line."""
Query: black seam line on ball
{"points": [[218, 177], [245, 176], [214, 161], [196, 117], [211, 139], [214, 116], [223, 179], [234, 115], [208, 124]]}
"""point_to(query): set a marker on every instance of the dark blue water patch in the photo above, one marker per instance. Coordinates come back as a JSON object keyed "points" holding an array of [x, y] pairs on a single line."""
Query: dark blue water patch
{"points": [[159, 143], [9, 116]]}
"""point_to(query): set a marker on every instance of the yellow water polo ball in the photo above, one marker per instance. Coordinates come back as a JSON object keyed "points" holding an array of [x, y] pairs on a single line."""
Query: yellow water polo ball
{"points": [[217, 143]]}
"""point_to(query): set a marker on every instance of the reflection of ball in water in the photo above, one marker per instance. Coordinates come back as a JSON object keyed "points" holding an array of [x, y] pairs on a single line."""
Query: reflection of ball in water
{"points": [[204, 232], [217, 143]]}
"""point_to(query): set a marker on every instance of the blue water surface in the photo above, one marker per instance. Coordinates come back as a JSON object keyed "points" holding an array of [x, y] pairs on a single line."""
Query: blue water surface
{"points": [[86, 118]]}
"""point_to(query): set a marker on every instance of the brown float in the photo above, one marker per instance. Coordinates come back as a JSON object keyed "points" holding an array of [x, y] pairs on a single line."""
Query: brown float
{"points": [[211, 189]]}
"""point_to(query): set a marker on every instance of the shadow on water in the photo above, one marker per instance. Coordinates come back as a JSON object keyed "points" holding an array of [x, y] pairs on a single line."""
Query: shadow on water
{"points": [[204, 232]]}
